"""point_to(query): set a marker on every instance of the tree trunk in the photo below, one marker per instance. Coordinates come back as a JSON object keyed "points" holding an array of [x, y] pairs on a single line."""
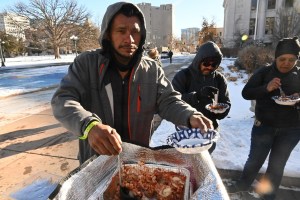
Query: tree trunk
{"points": [[56, 52]]}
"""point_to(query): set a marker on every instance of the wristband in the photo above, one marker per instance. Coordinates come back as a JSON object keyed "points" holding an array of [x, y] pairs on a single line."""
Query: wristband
{"points": [[88, 129]]}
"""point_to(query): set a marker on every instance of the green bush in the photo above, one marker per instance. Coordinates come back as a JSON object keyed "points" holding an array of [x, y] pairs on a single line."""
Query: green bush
{"points": [[252, 57]]}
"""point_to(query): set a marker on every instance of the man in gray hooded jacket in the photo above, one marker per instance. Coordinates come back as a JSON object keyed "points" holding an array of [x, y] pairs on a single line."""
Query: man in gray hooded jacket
{"points": [[111, 94]]}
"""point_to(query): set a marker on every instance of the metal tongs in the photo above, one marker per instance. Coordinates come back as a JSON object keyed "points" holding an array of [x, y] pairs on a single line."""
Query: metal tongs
{"points": [[282, 94]]}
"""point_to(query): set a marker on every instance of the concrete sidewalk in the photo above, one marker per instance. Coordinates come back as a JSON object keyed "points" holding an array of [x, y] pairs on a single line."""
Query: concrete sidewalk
{"points": [[288, 190], [34, 148]]}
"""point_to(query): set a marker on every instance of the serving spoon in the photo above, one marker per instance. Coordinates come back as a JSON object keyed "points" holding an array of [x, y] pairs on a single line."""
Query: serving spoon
{"points": [[124, 192]]}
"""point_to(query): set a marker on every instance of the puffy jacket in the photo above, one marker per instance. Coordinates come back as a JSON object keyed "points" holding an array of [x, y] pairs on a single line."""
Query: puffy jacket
{"points": [[190, 80], [266, 110], [83, 97]]}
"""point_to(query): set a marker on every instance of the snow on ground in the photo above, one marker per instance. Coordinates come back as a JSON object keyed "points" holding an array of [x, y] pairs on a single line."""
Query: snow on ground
{"points": [[235, 130], [233, 146]]}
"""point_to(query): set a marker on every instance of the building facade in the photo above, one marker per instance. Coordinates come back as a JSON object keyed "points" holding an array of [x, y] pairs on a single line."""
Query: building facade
{"points": [[14, 25], [159, 23], [190, 37], [254, 18]]}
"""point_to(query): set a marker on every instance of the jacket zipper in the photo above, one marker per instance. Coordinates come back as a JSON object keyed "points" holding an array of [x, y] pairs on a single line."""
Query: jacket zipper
{"points": [[101, 68], [128, 106], [138, 109]]}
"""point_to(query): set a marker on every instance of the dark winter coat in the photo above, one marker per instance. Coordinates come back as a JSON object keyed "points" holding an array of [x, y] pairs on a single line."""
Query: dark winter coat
{"points": [[266, 110], [190, 80]]}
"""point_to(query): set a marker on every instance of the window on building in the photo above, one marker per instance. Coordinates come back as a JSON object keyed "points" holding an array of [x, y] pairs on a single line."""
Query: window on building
{"points": [[269, 25], [253, 4], [252, 26], [271, 4], [289, 3]]}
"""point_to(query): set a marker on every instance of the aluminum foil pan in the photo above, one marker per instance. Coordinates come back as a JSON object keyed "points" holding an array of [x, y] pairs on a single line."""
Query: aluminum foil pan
{"points": [[110, 188], [90, 180]]}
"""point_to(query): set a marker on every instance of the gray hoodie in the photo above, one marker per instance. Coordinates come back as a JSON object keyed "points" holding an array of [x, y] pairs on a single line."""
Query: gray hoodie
{"points": [[83, 96]]}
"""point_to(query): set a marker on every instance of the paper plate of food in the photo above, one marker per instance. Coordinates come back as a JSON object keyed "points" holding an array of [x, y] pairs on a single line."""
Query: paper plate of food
{"points": [[217, 108], [192, 141], [286, 100]]}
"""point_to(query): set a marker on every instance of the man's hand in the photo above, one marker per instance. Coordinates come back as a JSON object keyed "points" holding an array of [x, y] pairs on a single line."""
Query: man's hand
{"points": [[207, 92], [201, 122], [105, 140]]}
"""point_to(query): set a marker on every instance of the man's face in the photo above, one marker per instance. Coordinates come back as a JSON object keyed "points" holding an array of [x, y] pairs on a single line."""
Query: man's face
{"points": [[286, 62], [207, 66], [125, 36]]}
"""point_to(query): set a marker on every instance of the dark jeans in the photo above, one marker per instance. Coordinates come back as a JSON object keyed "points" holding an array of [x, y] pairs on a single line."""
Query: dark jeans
{"points": [[279, 142]]}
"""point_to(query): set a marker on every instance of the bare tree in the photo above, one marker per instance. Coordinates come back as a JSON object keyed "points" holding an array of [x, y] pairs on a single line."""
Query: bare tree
{"points": [[12, 46], [207, 31], [89, 35], [287, 24], [57, 19]]}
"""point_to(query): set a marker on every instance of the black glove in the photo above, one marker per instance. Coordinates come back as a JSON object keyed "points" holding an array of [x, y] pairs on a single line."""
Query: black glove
{"points": [[207, 92]]}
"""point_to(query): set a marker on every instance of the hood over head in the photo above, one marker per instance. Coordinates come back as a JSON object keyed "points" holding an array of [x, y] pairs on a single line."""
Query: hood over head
{"points": [[208, 50], [109, 15]]}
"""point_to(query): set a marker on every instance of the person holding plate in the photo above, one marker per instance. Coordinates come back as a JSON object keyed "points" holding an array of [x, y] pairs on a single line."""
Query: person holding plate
{"points": [[110, 95], [276, 130], [203, 87]]}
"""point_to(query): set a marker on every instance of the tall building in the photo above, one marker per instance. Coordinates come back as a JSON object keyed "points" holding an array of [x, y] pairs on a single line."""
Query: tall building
{"points": [[14, 25], [159, 23], [190, 37], [254, 18]]}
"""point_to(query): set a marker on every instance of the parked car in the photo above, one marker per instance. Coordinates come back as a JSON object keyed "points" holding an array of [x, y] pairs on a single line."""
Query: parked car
{"points": [[164, 54]]}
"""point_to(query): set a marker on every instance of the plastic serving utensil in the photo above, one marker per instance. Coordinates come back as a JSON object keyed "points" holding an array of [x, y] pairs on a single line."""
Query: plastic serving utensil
{"points": [[282, 94], [215, 101], [124, 192]]}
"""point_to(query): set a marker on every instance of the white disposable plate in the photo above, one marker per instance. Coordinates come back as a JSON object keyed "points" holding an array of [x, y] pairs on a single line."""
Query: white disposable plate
{"points": [[286, 101], [192, 141], [223, 105]]}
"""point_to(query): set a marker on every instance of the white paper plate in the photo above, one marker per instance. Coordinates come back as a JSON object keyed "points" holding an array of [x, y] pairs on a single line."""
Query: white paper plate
{"points": [[220, 110], [192, 141], [287, 101]]}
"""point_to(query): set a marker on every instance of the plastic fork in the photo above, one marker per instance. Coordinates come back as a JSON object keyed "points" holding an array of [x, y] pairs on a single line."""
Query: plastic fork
{"points": [[282, 94]]}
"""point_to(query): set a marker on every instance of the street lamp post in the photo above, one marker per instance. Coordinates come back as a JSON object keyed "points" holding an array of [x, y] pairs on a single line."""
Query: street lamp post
{"points": [[74, 39], [2, 53]]}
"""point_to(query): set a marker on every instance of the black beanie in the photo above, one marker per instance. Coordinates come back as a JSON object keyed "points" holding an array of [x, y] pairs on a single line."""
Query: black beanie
{"points": [[288, 46]]}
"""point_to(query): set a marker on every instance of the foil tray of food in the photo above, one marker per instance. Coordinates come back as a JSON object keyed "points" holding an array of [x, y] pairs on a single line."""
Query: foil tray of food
{"points": [[91, 179], [149, 181]]}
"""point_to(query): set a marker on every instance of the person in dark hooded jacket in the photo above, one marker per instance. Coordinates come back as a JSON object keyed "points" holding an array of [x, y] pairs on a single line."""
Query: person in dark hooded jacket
{"points": [[199, 83], [111, 94], [276, 129]]}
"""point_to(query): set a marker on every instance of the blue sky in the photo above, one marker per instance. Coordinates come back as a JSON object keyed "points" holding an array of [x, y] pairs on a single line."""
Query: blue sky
{"points": [[187, 13]]}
